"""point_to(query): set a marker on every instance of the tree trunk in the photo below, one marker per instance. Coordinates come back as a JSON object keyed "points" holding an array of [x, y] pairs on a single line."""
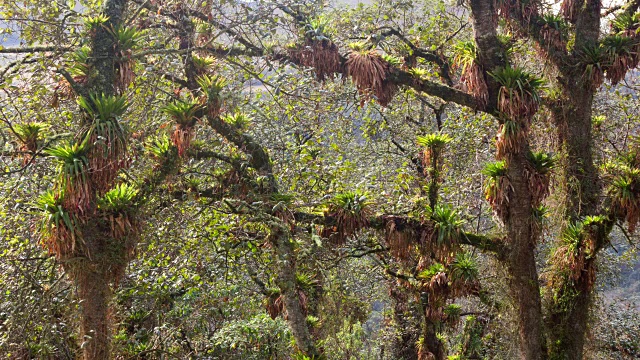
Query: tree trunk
{"points": [[404, 344], [103, 57], [569, 308], [523, 282], [520, 259], [286, 281], [579, 176], [568, 327], [432, 348], [94, 293]]}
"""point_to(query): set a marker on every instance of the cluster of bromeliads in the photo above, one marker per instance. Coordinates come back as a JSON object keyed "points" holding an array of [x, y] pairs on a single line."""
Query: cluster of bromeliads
{"points": [[429, 261], [90, 212], [430, 245], [89, 200], [368, 69]]}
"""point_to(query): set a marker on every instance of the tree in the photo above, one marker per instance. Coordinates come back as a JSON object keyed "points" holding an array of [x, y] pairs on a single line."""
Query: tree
{"points": [[90, 223]]}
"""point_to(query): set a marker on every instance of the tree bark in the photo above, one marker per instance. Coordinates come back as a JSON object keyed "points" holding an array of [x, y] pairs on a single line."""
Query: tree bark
{"points": [[404, 344], [432, 347], [103, 57], [520, 261], [520, 257], [94, 293], [286, 281], [569, 308], [579, 176]]}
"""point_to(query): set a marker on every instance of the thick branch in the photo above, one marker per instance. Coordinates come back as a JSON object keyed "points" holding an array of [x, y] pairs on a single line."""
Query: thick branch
{"points": [[379, 222], [588, 24], [490, 53], [34, 49], [446, 93], [427, 55]]}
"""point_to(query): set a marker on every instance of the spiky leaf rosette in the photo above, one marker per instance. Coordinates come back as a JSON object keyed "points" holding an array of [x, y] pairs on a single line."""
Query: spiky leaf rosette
{"points": [[572, 259], [184, 114], [350, 211], [619, 52], [203, 65], [58, 227], [107, 139], [497, 187], [519, 94], [126, 38], [80, 68], [464, 274], [539, 215], [93, 23], [624, 191], [368, 71], [471, 74], [592, 59], [238, 120], [160, 147], [212, 87], [74, 175], [433, 145], [555, 31], [79, 71], [30, 135], [163, 151], [451, 314], [435, 281], [626, 24], [118, 207], [511, 136], [447, 226], [538, 173]]}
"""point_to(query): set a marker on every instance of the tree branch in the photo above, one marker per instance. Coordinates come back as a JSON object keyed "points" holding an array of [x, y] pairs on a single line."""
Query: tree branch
{"points": [[34, 49], [430, 56]]}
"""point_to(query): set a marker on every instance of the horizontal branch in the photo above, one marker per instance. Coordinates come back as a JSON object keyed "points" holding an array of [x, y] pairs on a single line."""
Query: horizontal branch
{"points": [[34, 49], [432, 88], [485, 243]]}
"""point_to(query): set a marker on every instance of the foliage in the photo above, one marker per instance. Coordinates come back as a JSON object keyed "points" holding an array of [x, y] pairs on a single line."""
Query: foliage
{"points": [[74, 174], [350, 211], [447, 224], [263, 210], [471, 74], [238, 120], [259, 337], [119, 199], [520, 92], [185, 114]]}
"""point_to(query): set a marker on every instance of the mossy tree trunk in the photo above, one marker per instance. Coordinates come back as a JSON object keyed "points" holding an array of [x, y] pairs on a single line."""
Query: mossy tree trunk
{"points": [[569, 309], [93, 275], [286, 281], [94, 293], [519, 257], [404, 345], [520, 262]]}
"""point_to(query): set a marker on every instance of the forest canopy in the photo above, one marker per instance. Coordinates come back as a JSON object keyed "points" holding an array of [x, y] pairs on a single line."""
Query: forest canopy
{"points": [[225, 179]]}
